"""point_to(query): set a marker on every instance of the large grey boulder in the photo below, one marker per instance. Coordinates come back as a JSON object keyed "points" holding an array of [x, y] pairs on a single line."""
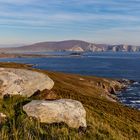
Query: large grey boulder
{"points": [[23, 82], [68, 111]]}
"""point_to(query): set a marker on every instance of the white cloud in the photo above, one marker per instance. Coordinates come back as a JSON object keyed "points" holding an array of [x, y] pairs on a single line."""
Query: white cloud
{"points": [[73, 15]]}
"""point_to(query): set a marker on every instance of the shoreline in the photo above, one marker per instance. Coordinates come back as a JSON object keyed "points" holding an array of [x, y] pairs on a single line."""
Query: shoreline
{"points": [[111, 90], [115, 85], [91, 91], [18, 55], [32, 55]]}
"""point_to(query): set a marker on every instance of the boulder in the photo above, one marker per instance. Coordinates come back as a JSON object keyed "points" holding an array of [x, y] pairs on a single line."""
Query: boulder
{"points": [[68, 111], [23, 82]]}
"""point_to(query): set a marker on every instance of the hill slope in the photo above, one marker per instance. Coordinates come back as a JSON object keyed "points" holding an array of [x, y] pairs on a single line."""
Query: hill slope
{"points": [[106, 120], [71, 45]]}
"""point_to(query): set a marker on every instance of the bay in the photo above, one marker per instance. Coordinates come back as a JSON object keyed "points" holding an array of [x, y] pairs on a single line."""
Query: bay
{"points": [[103, 64]]}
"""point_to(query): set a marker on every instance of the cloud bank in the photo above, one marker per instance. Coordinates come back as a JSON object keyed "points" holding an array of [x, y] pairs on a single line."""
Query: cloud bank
{"points": [[94, 20]]}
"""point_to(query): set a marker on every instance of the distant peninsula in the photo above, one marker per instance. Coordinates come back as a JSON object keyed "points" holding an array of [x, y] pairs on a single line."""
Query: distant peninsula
{"points": [[71, 46]]}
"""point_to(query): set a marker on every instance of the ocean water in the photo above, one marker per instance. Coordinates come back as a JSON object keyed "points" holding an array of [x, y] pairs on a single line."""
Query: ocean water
{"points": [[112, 65]]}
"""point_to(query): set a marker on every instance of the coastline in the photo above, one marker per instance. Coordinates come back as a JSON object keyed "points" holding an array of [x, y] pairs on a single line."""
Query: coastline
{"points": [[111, 87], [102, 114], [22, 55]]}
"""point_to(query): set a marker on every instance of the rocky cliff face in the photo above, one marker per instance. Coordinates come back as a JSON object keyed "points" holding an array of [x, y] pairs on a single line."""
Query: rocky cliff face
{"points": [[124, 48]]}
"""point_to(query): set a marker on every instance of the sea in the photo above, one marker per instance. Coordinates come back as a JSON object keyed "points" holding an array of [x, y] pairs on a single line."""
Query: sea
{"points": [[118, 65]]}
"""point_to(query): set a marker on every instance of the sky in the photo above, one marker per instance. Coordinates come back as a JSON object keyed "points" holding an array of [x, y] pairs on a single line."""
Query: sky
{"points": [[98, 21]]}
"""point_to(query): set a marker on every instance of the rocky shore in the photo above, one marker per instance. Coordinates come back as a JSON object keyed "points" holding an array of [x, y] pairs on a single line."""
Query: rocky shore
{"points": [[56, 105], [22, 82]]}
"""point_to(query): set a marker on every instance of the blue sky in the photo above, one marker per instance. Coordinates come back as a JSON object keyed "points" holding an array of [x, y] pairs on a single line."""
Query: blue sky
{"points": [[99, 21]]}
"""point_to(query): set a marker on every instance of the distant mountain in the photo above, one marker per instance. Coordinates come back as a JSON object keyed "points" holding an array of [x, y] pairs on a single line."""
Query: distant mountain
{"points": [[71, 45]]}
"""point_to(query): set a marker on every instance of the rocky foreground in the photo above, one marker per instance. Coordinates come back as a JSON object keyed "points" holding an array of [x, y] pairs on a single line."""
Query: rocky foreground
{"points": [[26, 83], [68, 111], [51, 98]]}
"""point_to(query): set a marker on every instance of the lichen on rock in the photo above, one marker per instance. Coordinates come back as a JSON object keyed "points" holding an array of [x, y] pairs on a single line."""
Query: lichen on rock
{"points": [[23, 82], [68, 111]]}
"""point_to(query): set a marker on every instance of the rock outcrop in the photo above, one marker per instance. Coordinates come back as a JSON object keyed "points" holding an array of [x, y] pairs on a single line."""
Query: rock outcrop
{"points": [[126, 82], [68, 111], [23, 82]]}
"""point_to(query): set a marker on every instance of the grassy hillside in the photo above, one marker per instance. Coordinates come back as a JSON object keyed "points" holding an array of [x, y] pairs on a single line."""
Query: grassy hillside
{"points": [[106, 120]]}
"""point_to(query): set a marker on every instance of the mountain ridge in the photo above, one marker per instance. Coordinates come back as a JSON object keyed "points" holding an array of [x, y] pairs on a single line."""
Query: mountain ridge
{"points": [[72, 45]]}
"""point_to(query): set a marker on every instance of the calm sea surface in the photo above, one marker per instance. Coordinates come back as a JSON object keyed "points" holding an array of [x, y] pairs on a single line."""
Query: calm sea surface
{"points": [[114, 65]]}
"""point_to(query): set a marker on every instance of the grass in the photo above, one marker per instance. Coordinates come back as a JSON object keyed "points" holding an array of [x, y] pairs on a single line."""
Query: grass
{"points": [[106, 120]]}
